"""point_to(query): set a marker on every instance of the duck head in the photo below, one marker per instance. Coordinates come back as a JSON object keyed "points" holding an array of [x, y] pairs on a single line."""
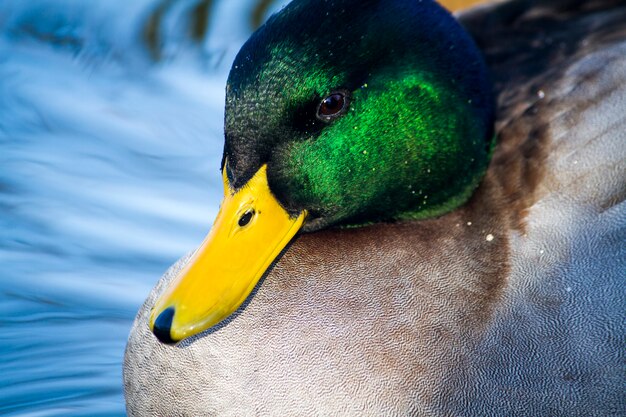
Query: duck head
{"points": [[338, 112]]}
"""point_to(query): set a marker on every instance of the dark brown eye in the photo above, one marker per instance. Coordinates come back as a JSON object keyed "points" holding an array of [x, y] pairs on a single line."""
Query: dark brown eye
{"points": [[332, 106]]}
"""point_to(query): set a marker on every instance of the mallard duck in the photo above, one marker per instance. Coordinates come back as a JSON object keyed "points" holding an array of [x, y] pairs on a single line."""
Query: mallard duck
{"points": [[395, 239]]}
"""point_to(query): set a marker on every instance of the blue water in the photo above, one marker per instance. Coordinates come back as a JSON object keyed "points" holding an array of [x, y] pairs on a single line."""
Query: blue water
{"points": [[109, 163]]}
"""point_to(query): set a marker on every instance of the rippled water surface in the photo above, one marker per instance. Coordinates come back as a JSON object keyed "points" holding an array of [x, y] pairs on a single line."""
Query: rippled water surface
{"points": [[110, 142]]}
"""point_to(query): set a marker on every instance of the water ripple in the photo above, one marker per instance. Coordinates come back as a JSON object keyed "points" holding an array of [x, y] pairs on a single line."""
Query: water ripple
{"points": [[108, 173]]}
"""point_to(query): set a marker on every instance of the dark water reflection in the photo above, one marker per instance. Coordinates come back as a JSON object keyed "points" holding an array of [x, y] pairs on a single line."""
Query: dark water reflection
{"points": [[108, 173]]}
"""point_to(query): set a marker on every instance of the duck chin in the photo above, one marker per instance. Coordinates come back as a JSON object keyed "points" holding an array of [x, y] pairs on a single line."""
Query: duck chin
{"points": [[317, 223]]}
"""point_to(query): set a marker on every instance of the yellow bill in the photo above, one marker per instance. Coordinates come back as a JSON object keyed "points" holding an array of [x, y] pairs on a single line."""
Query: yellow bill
{"points": [[250, 231]]}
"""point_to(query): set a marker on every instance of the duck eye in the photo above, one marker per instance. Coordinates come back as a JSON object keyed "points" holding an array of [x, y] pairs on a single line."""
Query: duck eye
{"points": [[245, 218], [332, 106]]}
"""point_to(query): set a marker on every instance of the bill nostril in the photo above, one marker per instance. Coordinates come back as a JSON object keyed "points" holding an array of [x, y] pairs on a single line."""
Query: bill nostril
{"points": [[163, 325], [245, 218]]}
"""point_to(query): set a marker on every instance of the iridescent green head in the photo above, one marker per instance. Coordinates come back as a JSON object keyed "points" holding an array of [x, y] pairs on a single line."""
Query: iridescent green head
{"points": [[363, 110], [337, 112]]}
